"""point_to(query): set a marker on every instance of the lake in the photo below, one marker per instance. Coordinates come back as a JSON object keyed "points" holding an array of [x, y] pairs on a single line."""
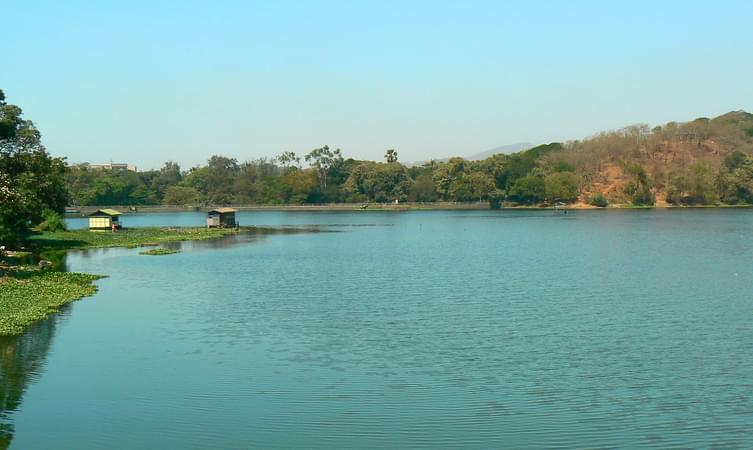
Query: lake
{"points": [[437, 329]]}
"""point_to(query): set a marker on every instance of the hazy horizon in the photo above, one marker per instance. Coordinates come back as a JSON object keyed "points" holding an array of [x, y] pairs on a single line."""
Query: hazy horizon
{"points": [[144, 83]]}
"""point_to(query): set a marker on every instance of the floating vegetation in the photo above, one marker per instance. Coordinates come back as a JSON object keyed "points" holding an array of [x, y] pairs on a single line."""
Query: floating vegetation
{"points": [[15, 258], [159, 252], [130, 238], [28, 295]]}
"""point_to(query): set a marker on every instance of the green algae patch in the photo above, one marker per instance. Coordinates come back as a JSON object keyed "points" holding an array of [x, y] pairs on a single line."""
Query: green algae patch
{"points": [[159, 252], [28, 295], [130, 238]]}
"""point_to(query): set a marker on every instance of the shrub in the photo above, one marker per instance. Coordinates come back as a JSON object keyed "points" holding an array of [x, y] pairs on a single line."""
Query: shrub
{"points": [[642, 196], [528, 190], [598, 200], [563, 166], [561, 186], [639, 190], [52, 221]]}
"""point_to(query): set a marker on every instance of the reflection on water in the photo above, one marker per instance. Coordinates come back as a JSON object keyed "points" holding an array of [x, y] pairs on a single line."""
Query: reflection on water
{"points": [[435, 330], [60, 259], [57, 258], [22, 359]]}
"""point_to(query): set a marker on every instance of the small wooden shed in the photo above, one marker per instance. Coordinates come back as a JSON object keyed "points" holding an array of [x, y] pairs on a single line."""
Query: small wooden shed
{"points": [[221, 218], [104, 219]]}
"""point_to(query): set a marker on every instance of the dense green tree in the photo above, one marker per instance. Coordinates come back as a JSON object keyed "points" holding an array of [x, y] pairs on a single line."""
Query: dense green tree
{"points": [[423, 189], [220, 177], [561, 187], [472, 185], [446, 175], [169, 175], [521, 164], [32, 181], [198, 178], [694, 186], [734, 183], [528, 190], [563, 166], [481, 185], [379, 182], [249, 185], [297, 186], [258, 181], [12, 225], [180, 195]]}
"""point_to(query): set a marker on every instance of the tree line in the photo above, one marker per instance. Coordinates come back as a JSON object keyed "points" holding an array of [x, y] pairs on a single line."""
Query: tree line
{"points": [[330, 177], [706, 161]]}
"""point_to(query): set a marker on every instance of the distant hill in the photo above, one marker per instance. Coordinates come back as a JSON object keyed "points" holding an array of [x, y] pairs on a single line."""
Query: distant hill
{"points": [[679, 162], [506, 149], [510, 148]]}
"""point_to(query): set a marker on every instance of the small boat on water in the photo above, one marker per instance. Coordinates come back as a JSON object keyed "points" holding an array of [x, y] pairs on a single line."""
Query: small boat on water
{"points": [[560, 208]]}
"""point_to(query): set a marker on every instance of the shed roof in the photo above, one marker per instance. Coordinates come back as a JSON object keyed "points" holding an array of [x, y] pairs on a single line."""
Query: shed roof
{"points": [[222, 211], [105, 212]]}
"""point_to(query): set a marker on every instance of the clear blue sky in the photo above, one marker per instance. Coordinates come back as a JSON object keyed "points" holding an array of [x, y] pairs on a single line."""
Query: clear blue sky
{"points": [[147, 81]]}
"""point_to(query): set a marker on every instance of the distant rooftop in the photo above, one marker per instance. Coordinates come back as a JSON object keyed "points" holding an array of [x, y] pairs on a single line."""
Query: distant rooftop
{"points": [[111, 166], [222, 211], [105, 212]]}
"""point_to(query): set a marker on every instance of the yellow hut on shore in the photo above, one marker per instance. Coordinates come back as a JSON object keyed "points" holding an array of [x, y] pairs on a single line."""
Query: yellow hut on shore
{"points": [[104, 219]]}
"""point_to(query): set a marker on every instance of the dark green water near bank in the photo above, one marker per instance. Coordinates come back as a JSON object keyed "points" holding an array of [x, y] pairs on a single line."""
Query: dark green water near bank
{"points": [[482, 329]]}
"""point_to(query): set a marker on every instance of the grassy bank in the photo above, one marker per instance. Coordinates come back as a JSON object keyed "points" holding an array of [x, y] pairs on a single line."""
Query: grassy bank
{"points": [[130, 238], [28, 295]]}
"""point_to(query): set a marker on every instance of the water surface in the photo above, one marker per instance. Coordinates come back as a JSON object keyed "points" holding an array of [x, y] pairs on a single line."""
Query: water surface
{"points": [[473, 329]]}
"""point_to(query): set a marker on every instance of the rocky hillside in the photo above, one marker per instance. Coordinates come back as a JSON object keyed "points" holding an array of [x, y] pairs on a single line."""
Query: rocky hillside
{"points": [[677, 162]]}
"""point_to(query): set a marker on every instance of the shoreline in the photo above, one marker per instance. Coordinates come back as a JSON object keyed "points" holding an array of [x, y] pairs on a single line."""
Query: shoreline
{"points": [[30, 293], [349, 207]]}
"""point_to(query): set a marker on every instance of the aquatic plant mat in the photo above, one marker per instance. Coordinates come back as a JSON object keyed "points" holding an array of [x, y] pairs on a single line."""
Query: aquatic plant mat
{"points": [[28, 295], [159, 252], [143, 237], [131, 237]]}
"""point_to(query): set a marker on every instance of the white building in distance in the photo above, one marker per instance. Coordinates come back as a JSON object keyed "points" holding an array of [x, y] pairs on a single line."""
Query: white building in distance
{"points": [[111, 166]]}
